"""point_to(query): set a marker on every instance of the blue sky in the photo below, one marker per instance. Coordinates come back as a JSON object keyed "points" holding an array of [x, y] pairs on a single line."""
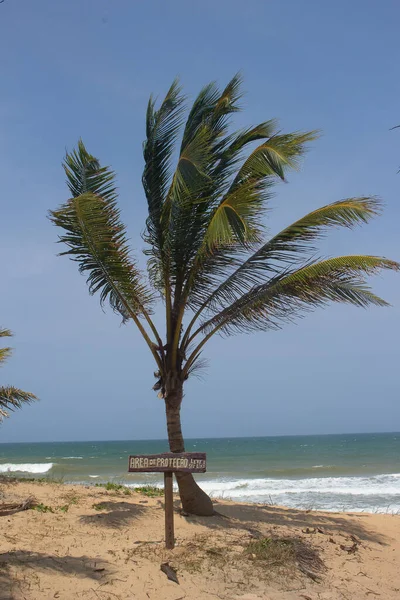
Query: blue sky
{"points": [[86, 68]]}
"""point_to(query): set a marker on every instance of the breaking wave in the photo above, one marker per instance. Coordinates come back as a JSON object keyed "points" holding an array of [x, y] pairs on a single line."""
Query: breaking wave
{"points": [[380, 493], [26, 467]]}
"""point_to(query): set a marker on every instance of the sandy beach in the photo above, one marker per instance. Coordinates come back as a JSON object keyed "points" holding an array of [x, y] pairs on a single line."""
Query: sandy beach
{"points": [[95, 544]]}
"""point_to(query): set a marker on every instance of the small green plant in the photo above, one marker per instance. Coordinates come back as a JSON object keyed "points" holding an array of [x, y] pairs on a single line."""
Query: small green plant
{"points": [[71, 498], [152, 491], [114, 487], [43, 508], [273, 551], [50, 479], [99, 506]]}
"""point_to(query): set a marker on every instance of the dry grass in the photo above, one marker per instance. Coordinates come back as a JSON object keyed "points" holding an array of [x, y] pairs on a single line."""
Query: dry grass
{"points": [[264, 559], [285, 552], [273, 552]]}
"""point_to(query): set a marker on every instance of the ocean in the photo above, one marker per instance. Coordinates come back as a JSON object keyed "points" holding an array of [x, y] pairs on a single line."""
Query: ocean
{"points": [[351, 472]]}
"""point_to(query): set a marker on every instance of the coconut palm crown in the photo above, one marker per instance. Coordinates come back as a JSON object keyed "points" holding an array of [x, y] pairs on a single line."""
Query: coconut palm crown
{"points": [[208, 259]]}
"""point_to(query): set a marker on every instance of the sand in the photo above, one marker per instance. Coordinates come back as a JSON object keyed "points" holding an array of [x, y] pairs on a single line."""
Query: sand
{"points": [[106, 545]]}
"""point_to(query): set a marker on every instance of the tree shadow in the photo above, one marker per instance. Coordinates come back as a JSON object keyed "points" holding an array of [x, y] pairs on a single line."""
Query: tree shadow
{"points": [[6, 584], [118, 514], [76, 566], [248, 516]]}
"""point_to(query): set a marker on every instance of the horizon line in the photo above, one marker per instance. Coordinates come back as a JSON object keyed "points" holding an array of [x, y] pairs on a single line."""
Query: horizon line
{"points": [[227, 437]]}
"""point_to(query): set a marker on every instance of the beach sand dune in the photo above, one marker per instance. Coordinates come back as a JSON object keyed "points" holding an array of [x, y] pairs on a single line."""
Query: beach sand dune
{"points": [[92, 544]]}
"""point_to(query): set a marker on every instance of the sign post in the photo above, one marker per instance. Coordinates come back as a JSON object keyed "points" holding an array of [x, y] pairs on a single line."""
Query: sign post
{"points": [[168, 463], [169, 511]]}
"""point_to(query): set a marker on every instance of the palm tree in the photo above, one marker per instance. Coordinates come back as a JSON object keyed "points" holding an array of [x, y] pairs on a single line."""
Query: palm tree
{"points": [[207, 257], [11, 397]]}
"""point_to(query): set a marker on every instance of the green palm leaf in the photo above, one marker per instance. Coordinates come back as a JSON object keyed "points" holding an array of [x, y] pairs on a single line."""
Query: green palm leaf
{"points": [[195, 184], [234, 223], [96, 239], [275, 156], [5, 352], [84, 174], [289, 295], [235, 220], [12, 398], [191, 175], [290, 245], [213, 107], [229, 149], [162, 128], [5, 332]]}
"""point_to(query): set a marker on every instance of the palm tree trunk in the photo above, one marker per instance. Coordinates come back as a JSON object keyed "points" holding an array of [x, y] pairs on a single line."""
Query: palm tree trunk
{"points": [[194, 500]]}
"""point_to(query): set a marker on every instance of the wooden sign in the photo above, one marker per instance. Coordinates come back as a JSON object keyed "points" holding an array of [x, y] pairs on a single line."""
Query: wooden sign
{"points": [[168, 463], [185, 462]]}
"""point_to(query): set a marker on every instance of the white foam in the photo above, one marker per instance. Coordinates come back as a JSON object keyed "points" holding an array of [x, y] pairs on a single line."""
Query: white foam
{"points": [[378, 484], [373, 493], [25, 467], [71, 457], [94, 476]]}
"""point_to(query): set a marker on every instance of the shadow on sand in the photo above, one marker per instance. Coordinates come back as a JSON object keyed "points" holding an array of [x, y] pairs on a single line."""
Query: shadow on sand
{"points": [[75, 566], [115, 514], [248, 516]]}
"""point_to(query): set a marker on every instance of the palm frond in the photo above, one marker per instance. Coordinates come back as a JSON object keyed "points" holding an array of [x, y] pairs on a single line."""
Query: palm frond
{"points": [[226, 105], [96, 239], [262, 131], [291, 294], [290, 245], [12, 398], [275, 156], [202, 108], [235, 220], [191, 174], [162, 128], [5, 353], [213, 107], [230, 148], [5, 332], [194, 184], [197, 367], [231, 230], [204, 136], [84, 174]]}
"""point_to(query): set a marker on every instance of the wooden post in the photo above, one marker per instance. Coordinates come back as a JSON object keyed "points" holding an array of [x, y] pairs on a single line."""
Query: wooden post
{"points": [[168, 463], [169, 511]]}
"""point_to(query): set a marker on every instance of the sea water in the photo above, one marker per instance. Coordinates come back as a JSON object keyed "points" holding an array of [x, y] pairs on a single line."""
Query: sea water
{"points": [[351, 472]]}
